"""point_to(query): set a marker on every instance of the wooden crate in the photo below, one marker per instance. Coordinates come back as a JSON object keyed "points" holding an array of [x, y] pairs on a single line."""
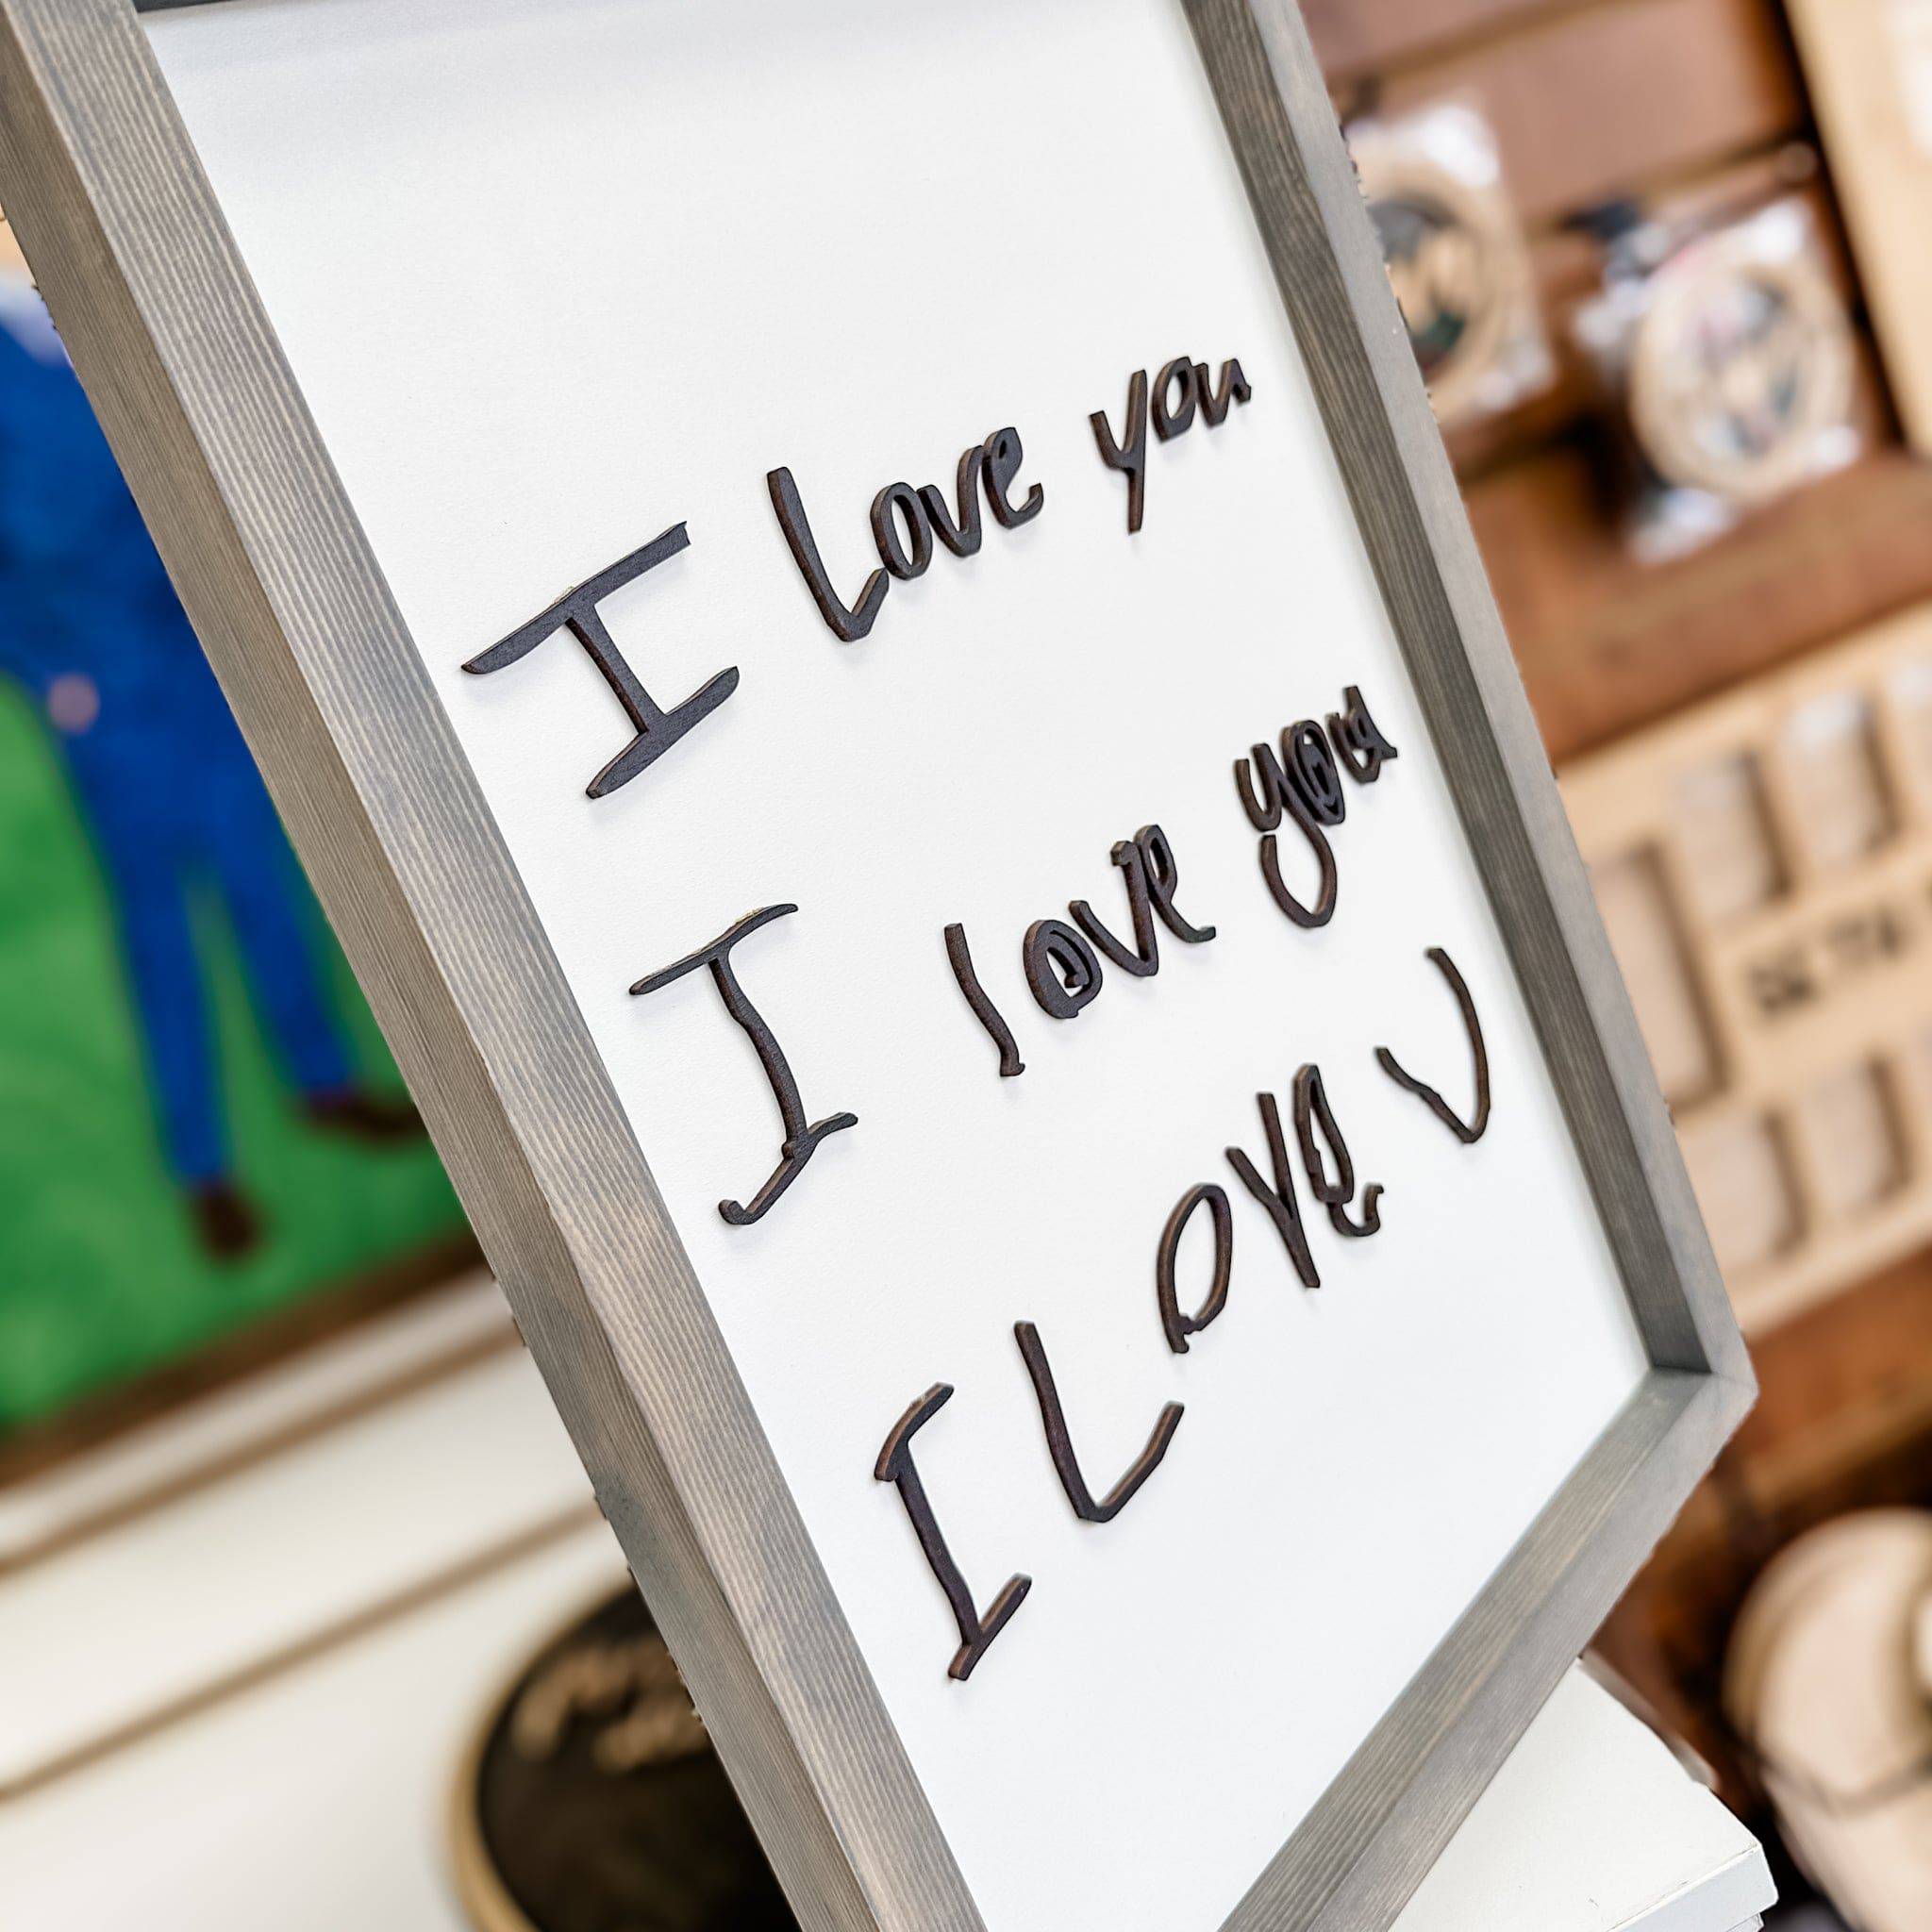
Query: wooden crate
{"points": [[1764, 865]]}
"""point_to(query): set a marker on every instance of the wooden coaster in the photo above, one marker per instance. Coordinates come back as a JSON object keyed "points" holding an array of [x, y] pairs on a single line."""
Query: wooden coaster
{"points": [[591, 1800], [1740, 364]]}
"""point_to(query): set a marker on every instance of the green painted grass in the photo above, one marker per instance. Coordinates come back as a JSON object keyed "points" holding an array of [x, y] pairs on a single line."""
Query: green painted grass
{"points": [[100, 1276]]}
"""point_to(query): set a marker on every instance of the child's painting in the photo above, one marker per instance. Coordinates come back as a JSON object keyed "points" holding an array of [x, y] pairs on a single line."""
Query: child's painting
{"points": [[199, 1126]]}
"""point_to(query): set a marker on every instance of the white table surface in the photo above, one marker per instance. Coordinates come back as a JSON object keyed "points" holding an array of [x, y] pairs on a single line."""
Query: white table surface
{"points": [[304, 1780]]}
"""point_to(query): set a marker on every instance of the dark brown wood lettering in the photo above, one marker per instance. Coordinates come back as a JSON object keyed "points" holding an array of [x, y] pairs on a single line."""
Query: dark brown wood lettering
{"points": [[895, 1465], [1062, 961], [1261, 796], [1163, 881], [1060, 1444], [801, 1141], [1061, 968], [1279, 1201], [1469, 1132], [1182, 390], [1129, 457], [1312, 770], [657, 729], [848, 625], [1303, 782], [1215, 403], [1307, 917], [1004, 456], [905, 524], [1306, 770], [962, 532], [1173, 416], [989, 1016], [1141, 961], [1357, 739], [908, 559], [1313, 1115], [1174, 1325]]}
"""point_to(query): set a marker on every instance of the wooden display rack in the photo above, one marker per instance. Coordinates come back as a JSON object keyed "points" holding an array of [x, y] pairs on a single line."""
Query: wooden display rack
{"points": [[1764, 865]]}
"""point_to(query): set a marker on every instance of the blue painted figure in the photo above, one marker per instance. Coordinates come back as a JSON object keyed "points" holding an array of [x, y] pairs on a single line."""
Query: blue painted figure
{"points": [[89, 626]]}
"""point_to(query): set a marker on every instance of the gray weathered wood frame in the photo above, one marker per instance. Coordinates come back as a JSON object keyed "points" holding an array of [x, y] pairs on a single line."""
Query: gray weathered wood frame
{"points": [[137, 263]]}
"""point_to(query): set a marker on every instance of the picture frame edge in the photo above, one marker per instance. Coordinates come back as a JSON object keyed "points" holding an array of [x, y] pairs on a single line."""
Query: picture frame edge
{"points": [[1667, 1432]]}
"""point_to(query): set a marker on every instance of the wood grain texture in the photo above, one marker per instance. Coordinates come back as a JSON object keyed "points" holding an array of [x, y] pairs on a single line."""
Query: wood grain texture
{"points": [[193, 391], [191, 386]]}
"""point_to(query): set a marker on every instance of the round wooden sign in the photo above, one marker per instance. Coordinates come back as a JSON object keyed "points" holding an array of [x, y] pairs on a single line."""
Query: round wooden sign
{"points": [[591, 1800], [1820, 1682], [1742, 362]]}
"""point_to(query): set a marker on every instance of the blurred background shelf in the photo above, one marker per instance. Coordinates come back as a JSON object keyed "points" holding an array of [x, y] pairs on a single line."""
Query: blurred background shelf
{"points": [[1646, 676], [1607, 646]]}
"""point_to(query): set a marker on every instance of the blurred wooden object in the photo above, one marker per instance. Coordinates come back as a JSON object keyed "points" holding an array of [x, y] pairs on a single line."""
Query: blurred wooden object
{"points": [[1567, 270], [1870, 65], [1820, 1679], [1764, 864]]}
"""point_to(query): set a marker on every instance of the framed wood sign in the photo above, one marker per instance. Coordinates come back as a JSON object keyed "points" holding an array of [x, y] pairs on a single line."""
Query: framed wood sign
{"points": [[858, 613]]}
